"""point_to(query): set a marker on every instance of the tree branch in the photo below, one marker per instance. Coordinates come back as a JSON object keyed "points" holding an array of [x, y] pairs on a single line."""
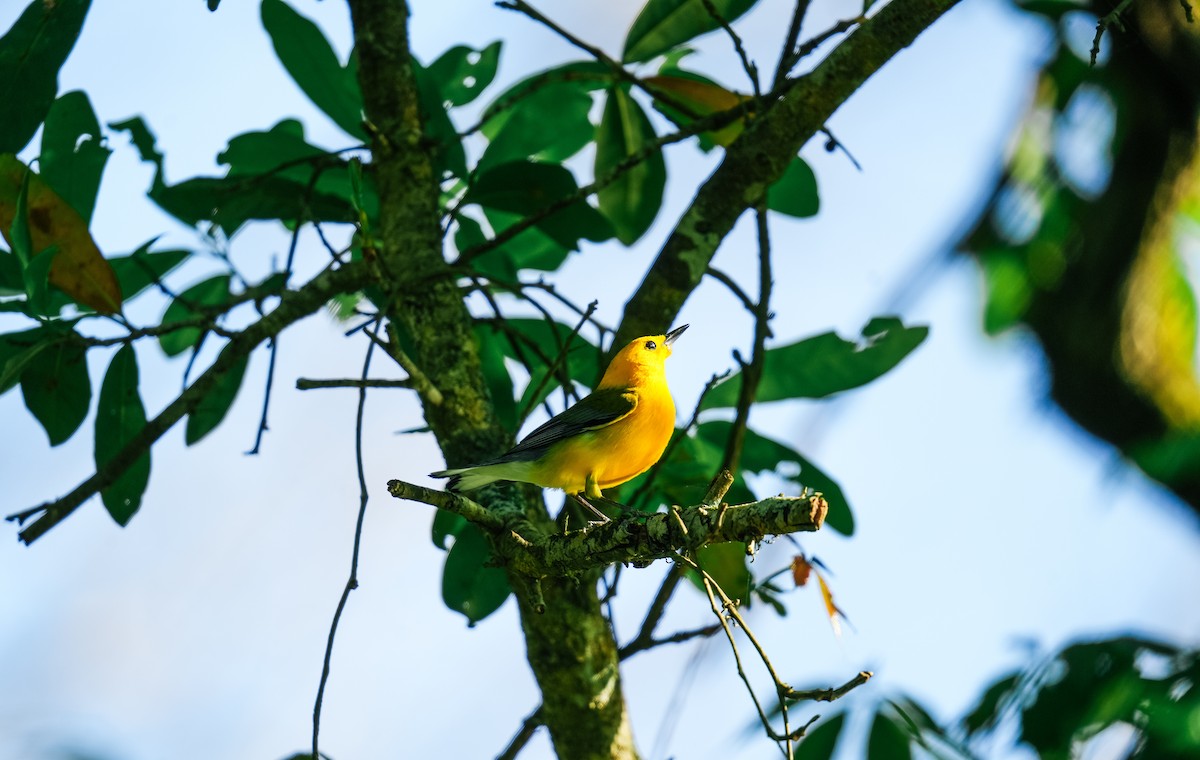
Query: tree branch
{"points": [[633, 538], [293, 306], [759, 157]]}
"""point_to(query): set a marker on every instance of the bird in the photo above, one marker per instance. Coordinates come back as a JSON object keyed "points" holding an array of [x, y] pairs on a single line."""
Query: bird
{"points": [[607, 438]]}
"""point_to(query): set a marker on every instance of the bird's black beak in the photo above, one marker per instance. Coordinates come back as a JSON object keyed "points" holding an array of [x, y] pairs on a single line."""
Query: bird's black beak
{"points": [[671, 336]]}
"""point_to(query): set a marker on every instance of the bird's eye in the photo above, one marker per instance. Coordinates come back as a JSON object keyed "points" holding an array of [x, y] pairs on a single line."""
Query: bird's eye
{"points": [[651, 345]]}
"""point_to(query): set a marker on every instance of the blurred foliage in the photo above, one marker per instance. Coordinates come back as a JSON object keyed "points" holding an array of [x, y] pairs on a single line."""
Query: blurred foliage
{"points": [[1090, 232], [1126, 697]]}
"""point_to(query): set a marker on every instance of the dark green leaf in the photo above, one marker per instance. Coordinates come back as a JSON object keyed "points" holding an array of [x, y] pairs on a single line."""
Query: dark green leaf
{"points": [[232, 201], [550, 124], [449, 158], [763, 454], [461, 73], [631, 202], [795, 193], [120, 415], [188, 305], [142, 268], [584, 76], [37, 281], [822, 740], [538, 348], [17, 350], [216, 403], [212, 4], [73, 156], [18, 236], [888, 741], [446, 525], [142, 138], [56, 387], [663, 24], [312, 64], [470, 584], [31, 53], [826, 364], [495, 375], [987, 714], [530, 249], [528, 188], [726, 564], [11, 283]]}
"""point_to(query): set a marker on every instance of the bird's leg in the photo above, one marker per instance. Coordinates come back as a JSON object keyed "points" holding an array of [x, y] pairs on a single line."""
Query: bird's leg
{"points": [[583, 501]]}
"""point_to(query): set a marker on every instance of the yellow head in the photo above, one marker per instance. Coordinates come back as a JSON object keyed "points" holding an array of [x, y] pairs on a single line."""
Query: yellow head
{"points": [[640, 361]]}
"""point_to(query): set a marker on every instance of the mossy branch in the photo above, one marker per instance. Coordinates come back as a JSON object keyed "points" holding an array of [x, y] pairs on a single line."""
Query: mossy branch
{"points": [[635, 538]]}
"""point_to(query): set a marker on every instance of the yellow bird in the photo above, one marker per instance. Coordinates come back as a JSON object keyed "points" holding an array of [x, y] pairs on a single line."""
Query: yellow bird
{"points": [[611, 436]]}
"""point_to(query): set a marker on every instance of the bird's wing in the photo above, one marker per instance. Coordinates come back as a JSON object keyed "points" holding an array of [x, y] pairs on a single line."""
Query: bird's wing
{"points": [[597, 410]]}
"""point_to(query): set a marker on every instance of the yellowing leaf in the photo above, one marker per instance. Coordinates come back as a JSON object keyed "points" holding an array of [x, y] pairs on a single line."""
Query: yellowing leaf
{"points": [[835, 613], [702, 99], [801, 569], [79, 269]]}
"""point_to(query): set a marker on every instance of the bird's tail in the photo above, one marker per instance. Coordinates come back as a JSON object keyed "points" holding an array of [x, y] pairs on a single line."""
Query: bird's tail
{"points": [[465, 478]]}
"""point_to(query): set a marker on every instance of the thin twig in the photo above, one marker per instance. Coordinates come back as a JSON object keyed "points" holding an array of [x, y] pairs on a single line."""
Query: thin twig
{"points": [[352, 581], [274, 342], [523, 735], [654, 613], [308, 384], [840, 27], [559, 360], [734, 288], [704, 124], [752, 371], [747, 65], [702, 632], [615, 66], [787, 53], [646, 485], [420, 381], [1112, 18], [829, 695], [293, 306]]}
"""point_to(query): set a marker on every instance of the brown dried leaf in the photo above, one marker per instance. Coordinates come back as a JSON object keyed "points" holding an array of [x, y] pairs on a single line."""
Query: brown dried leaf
{"points": [[801, 569], [79, 269]]}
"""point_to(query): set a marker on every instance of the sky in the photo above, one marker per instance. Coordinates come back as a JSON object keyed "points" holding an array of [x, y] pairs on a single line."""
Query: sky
{"points": [[987, 523]]}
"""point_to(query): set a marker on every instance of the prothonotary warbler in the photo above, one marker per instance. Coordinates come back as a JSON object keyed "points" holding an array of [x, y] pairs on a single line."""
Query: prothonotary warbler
{"points": [[612, 435]]}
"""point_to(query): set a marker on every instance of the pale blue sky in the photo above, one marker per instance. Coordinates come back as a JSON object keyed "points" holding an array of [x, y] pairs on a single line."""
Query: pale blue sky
{"points": [[984, 518]]}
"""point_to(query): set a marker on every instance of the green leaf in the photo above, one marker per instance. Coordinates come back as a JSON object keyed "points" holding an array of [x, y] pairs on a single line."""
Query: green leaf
{"points": [[230, 202], [143, 139], [887, 740], [795, 193], [632, 202], [987, 714], [462, 73], [216, 403], [496, 377], [826, 364], [819, 743], [313, 65], [73, 156], [31, 53], [17, 350], [726, 564], [189, 304], [11, 282], [529, 249], [521, 187], [763, 454], [56, 387], [584, 76], [663, 24], [142, 268], [120, 415], [446, 525], [538, 348], [449, 158], [470, 584], [549, 124], [37, 281], [19, 236]]}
